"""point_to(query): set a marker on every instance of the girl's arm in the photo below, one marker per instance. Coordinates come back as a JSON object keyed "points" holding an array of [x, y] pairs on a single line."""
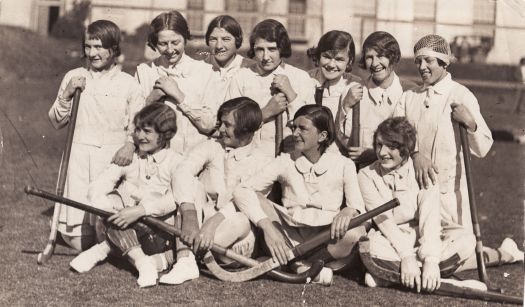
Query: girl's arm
{"points": [[61, 109], [105, 183]]}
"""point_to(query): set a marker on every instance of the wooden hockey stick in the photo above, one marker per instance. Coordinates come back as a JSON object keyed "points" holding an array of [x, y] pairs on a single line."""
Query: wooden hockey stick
{"points": [[145, 223], [444, 289], [46, 254], [482, 272]]}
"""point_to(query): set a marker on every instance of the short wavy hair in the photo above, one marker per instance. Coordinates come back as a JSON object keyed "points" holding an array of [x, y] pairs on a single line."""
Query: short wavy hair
{"points": [[384, 44], [397, 132], [161, 117], [227, 23], [108, 33], [322, 119], [246, 112], [173, 21], [272, 31], [333, 41]]}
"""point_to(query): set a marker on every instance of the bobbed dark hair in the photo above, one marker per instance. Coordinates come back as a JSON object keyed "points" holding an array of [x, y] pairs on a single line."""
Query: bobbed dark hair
{"points": [[397, 132], [172, 20], [384, 44], [322, 119], [229, 24], [247, 115], [161, 117], [108, 33], [272, 31], [333, 41]]}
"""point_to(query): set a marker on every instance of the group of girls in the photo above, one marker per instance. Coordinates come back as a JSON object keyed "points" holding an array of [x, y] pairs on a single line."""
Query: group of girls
{"points": [[194, 141]]}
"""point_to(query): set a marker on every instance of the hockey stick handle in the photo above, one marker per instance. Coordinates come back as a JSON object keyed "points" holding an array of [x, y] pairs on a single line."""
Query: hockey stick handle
{"points": [[356, 125], [64, 161], [482, 272], [324, 236]]}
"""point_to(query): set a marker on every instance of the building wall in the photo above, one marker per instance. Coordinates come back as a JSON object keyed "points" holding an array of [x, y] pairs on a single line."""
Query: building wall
{"points": [[17, 13]]}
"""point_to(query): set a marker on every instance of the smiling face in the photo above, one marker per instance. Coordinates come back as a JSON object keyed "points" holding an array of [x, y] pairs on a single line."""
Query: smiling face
{"points": [[267, 54], [147, 139], [333, 63], [379, 67], [170, 45], [306, 136], [222, 46], [99, 57], [430, 70], [227, 131], [389, 157]]}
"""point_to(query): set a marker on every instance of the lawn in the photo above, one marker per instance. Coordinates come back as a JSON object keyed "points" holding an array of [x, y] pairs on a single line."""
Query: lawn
{"points": [[30, 152]]}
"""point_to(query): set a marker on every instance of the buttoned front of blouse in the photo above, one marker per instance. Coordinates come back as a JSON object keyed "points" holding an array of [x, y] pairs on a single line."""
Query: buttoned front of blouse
{"points": [[193, 78], [106, 108], [373, 110], [252, 83], [147, 181], [312, 194]]}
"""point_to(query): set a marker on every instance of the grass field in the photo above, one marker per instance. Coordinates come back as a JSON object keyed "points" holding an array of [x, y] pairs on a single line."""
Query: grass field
{"points": [[30, 152]]}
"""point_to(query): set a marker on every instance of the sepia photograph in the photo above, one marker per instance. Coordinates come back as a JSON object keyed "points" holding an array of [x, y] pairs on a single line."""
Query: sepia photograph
{"points": [[262, 152]]}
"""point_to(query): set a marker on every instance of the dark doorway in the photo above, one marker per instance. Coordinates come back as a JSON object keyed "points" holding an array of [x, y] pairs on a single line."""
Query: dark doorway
{"points": [[54, 12]]}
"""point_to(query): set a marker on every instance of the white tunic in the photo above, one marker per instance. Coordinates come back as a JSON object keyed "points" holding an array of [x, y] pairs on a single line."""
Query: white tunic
{"points": [[193, 78]]}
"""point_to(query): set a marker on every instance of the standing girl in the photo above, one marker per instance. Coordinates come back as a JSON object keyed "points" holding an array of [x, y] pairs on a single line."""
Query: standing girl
{"points": [[104, 127], [178, 80], [277, 87]]}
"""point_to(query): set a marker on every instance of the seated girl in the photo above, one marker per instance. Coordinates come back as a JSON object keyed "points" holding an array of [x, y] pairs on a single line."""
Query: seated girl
{"points": [[212, 170], [144, 189], [315, 183], [412, 239]]}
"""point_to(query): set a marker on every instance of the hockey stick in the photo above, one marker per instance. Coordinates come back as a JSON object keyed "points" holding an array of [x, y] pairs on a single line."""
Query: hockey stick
{"points": [[146, 222], [482, 272], [46, 254], [444, 289]]}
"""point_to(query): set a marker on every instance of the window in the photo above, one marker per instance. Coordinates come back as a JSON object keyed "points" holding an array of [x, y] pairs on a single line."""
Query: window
{"points": [[364, 7], [296, 26], [195, 20], [196, 4], [297, 7], [421, 29], [241, 5], [484, 11], [425, 9]]}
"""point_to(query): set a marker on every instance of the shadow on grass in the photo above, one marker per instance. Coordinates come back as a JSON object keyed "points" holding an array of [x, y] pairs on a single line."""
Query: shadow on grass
{"points": [[503, 136]]}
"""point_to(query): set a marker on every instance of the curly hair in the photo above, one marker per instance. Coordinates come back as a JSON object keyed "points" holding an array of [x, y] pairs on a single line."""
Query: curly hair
{"points": [[173, 21], [333, 41], [384, 44], [161, 117], [246, 112], [272, 31], [322, 119], [397, 132], [227, 23]]}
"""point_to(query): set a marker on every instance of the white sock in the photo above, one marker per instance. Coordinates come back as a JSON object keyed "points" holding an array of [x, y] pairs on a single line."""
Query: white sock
{"points": [[88, 259], [147, 272]]}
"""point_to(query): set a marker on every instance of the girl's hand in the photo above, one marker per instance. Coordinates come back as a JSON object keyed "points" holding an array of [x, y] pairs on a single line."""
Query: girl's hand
{"points": [[282, 83], [155, 95], [74, 83], [275, 241], [431, 276], [341, 222], [276, 105], [190, 226], [127, 216], [462, 115], [170, 87], [204, 241], [426, 171], [410, 273], [354, 95], [124, 155]]}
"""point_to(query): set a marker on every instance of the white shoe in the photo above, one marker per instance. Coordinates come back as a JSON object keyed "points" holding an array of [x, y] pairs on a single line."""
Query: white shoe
{"points": [[184, 269], [147, 272], [468, 283], [510, 247], [325, 277], [372, 282], [88, 259]]}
